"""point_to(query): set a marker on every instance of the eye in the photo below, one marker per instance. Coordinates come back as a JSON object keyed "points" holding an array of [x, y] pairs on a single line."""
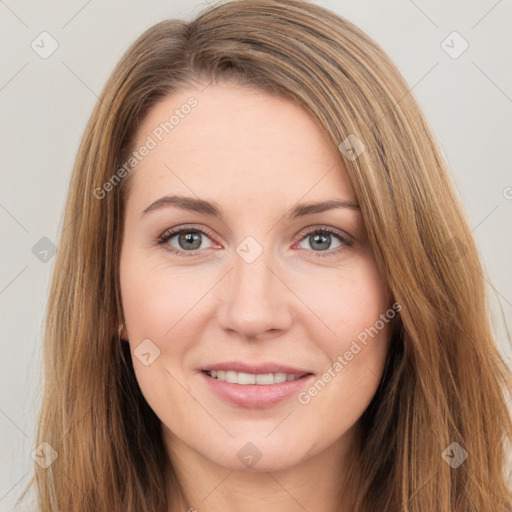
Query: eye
{"points": [[320, 239], [188, 239]]}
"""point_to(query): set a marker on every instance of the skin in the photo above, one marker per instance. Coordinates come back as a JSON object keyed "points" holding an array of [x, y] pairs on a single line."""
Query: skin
{"points": [[256, 156]]}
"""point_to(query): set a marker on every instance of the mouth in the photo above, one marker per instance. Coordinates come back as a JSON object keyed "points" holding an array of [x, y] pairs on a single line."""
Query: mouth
{"points": [[260, 379], [255, 386]]}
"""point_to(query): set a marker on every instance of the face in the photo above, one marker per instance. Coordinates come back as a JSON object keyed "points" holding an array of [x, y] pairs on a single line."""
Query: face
{"points": [[249, 286]]}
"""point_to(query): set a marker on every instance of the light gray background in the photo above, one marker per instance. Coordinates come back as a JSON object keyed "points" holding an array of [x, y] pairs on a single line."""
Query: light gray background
{"points": [[45, 104]]}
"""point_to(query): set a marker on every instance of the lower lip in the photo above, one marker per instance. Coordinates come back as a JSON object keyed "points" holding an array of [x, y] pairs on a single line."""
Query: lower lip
{"points": [[255, 396]]}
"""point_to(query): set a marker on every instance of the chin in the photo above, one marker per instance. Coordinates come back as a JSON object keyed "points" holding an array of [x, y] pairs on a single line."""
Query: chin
{"points": [[257, 454]]}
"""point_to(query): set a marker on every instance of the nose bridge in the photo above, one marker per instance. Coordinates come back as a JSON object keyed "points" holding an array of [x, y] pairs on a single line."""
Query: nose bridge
{"points": [[254, 299], [252, 279]]}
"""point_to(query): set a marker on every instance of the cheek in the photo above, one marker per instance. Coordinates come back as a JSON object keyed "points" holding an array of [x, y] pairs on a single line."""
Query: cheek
{"points": [[157, 307], [356, 306], [345, 301], [144, 302], [365, 324], [154, 299]]}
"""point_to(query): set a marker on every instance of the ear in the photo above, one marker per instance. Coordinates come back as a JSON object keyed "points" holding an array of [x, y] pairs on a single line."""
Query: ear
{"points": [[123, 334]]}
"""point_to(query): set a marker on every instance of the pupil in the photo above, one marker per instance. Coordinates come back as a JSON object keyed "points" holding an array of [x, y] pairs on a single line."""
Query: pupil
{"points": [[189, 238], [324, 244]]}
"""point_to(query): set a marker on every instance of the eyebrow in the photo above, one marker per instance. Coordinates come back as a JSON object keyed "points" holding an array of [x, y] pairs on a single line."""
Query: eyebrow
{"points": [[212, 209]]}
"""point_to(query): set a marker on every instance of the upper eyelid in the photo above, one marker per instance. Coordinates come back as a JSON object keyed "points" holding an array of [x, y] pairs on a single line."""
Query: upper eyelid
{"points": [[172, 232]]}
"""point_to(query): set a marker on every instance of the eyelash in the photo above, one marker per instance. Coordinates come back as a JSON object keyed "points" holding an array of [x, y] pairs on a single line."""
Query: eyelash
{"points": [[167, 235]]}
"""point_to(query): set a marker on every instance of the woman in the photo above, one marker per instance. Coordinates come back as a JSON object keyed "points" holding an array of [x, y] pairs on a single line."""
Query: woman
{"points": [[323, 342]]}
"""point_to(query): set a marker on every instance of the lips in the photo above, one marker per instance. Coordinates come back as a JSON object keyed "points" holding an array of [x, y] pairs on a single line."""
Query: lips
{"points": [[269, 391]]}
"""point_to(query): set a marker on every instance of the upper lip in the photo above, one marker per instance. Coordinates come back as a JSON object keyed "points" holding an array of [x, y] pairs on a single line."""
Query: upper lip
{"points": [[256, 369]]}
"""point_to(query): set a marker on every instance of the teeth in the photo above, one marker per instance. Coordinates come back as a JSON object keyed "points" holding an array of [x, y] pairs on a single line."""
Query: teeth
{"points": [[246, 378], [265, 378], [249, 378], [231, 377]]}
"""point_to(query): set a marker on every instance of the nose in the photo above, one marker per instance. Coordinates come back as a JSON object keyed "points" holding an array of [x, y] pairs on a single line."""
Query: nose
{"points": [[255, 300]]}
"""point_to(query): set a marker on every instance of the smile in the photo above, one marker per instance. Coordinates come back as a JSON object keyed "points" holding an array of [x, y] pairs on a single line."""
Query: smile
{"points": [[254, 390], [262, 379]]}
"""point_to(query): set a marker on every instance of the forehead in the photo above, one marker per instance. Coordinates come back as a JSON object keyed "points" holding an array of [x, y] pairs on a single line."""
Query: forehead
{"points": [[238, 145]]}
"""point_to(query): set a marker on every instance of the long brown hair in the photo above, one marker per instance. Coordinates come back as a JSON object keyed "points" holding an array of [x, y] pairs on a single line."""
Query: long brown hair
{"points": [[445, 381]]}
